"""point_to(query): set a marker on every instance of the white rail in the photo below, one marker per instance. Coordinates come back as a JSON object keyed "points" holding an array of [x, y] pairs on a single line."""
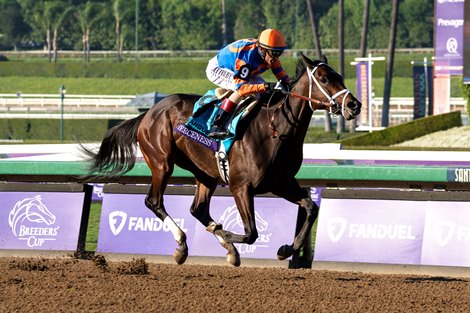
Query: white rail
{"points": [[12, 101]]}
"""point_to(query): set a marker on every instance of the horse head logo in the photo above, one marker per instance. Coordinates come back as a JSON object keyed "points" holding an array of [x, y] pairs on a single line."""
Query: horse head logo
{"points": [[31, 210], [231, 220]]}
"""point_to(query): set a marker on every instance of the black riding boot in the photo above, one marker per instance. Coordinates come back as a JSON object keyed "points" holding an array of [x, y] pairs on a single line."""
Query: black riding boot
{"points": [[218, 130]]}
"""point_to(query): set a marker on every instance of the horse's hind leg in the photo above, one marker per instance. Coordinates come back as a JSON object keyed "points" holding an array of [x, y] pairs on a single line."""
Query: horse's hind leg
{"points": [[200, 210]]}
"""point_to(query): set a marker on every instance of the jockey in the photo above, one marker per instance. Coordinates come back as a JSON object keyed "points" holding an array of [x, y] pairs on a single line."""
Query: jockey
{"points": [[238, 67]]}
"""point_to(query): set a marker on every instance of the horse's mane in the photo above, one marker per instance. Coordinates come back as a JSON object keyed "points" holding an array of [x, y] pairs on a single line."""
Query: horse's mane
{"points": [[300, 70]]}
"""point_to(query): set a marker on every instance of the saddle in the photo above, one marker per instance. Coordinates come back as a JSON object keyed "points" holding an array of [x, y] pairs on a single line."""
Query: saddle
{"points": [[199, 123]]}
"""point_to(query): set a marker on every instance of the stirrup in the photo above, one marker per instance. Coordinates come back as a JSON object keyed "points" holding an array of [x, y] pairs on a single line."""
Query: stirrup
{"points": [[217, 132]]}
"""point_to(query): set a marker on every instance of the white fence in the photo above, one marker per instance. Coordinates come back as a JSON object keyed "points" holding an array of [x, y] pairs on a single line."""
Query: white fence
{"points": [[12, 105], [32, 102]]}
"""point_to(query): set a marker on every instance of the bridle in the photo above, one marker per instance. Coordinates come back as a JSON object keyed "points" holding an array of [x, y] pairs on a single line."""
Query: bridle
{"points": [[332, 104]]}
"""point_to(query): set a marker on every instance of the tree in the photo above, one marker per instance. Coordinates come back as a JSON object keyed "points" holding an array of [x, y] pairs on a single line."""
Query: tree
{"points": [[88, 14], [340, 120], [389, 69], [316, 39], [249, 11], [58, 11], [12, 25], [362, 48]]}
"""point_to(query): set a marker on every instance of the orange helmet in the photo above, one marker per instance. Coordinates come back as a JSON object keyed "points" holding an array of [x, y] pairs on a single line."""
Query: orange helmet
{"points": [[272, 39]]}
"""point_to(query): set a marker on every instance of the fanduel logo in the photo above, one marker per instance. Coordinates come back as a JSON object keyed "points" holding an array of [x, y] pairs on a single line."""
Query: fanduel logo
{"points": [[338, 227], [32, 221], [445, 231], [119, 219]]}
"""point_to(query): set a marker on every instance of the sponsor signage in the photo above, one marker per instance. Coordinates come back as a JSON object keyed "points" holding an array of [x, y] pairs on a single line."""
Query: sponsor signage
{"points": [[458, 174], [375, 231], [394, 232], [128, 226], [40, 220], [447, 234], [449, 42]]}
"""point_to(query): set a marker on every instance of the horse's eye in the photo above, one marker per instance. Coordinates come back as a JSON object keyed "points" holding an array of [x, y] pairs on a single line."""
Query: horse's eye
{"points": [[324, 80]]}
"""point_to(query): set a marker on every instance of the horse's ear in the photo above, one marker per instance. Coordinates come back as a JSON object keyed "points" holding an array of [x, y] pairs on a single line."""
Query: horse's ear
{"points": [[307, 62], [324, 59]]}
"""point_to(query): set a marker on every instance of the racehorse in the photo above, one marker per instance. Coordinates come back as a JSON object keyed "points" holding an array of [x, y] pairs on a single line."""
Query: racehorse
{"points": [[265, 158]]}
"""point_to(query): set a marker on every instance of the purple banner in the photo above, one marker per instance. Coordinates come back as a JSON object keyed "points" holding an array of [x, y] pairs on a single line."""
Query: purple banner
{"points": [[40, 220], [362, 91], [127, 226], [370, 231], [449, 37], [447, 234]]}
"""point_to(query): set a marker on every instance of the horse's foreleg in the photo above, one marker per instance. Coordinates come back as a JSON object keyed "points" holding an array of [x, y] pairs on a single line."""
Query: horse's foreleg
{"points": [[301, 197], [200, 210], [245, 205]]}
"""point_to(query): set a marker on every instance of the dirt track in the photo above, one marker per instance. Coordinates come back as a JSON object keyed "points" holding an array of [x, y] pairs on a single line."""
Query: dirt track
{"points": [[70, 285]]}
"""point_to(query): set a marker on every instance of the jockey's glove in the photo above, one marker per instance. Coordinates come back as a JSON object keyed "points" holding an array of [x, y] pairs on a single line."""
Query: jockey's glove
{"points": [[277, 86]]}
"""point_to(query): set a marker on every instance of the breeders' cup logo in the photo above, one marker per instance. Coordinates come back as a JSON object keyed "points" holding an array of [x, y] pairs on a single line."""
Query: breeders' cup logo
{"points": [[336, 227], [232, 221], [29, 220]]}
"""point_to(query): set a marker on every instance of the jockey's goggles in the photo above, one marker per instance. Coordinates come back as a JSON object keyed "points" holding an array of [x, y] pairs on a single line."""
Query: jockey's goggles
{"points": [[275, 53]]}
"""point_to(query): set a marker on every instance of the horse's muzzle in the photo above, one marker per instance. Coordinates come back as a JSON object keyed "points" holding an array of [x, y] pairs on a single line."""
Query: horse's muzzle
{"points": [[352, 109]]}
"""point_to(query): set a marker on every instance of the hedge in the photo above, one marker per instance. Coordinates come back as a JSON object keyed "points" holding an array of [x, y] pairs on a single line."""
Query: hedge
{"points": [[406, 131]]}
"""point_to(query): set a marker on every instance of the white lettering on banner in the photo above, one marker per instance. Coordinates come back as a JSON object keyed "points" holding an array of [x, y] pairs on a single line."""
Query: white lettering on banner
{"points": [[152, 224], [462, 175], [451, 23], [381, 231]]}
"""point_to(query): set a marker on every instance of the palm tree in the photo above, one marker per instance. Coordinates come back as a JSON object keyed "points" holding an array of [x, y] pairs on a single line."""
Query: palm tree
{"points": [[88, 14], [119, 13], [340, 125], [316, 40], [363, 48], [389, 69], [59, 12]]}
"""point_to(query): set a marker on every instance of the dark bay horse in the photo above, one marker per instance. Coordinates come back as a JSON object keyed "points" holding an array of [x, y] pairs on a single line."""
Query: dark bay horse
{"points": [[264, 159]]}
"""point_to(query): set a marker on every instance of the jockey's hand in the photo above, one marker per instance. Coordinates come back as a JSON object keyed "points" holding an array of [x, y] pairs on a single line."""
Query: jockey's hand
{"points": [[277, 86]]}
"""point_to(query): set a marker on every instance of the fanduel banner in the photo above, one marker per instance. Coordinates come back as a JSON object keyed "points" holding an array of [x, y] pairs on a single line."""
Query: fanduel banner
{"points": [[449, 30], [128, 226], [394, 232], [370, 231], [40, 220]]}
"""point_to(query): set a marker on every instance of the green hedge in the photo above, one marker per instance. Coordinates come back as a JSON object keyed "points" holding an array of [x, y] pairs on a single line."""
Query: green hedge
{"points": [[406, 131], [49, 129], [167, 69]]}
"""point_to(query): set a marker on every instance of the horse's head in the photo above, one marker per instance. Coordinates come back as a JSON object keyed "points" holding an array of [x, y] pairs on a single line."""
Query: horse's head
{"points": [[326, 85]]}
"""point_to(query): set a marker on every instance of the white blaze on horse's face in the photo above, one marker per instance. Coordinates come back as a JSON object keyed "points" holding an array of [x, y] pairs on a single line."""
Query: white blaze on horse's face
{"points": [[331, 99]]}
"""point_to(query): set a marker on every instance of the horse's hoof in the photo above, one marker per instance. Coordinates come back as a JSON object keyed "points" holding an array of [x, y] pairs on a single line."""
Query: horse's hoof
{"points": [[284, 252], [233, 259], [180, 257], [181, 253]]}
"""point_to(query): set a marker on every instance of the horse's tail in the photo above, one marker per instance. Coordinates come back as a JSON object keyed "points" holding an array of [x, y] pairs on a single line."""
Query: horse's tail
{"points": [[117, 153]]}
